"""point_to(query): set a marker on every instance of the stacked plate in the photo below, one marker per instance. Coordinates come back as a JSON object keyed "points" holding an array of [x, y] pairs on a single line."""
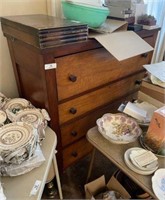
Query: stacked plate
{"points": [[36, 117], [141, 161], [17, 142], [3, 100], [12, 106], [3, 117], [158, 183]]}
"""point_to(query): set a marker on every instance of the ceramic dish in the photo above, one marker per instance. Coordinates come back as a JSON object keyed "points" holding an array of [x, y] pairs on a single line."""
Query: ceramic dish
{"points": [[12, 106], [132, 166], [158, 183], [17, 142], [118, 128], [3, 117], [3, 100], [37, 117]]}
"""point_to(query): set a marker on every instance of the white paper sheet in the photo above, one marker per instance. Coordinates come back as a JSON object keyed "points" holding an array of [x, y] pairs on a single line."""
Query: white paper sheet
{"points": [[123, 44], [157, 69]]}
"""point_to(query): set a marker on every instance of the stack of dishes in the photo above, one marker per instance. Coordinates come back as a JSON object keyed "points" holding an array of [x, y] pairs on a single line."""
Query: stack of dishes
{"points": [[141, 161], [36, 117], [22, 128], [17, 142], [158, 183]]}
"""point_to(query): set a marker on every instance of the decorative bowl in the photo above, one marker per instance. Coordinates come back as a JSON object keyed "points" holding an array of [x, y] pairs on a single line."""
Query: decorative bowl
{"points": [[118, 128], [91, 15]]}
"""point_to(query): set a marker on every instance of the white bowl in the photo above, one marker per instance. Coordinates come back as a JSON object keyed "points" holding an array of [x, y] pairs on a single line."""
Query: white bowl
{"points": [[118, 128]]}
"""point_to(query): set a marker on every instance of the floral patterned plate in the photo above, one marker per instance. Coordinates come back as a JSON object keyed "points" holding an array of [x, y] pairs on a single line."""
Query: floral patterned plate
{"points": [[13, 106], [17, 142], [37, 117], [118, 128], [158, 183]]}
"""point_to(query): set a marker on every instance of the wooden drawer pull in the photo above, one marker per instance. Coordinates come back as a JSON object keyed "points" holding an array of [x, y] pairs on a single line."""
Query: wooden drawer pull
{"points": [[138, 82], [144, 55], [74, 133], [74, 154], [73, 110], [72, 78]]}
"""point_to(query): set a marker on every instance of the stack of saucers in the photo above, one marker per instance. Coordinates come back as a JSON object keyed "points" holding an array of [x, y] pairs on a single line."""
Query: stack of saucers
{"points": [[141, 161]]}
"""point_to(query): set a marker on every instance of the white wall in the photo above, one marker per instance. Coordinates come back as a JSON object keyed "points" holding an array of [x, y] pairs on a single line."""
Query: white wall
{"points": [[14, 7]]}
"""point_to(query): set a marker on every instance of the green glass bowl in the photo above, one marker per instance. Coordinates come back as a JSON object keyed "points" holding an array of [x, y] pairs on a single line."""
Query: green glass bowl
{"points": [[90, 15]]}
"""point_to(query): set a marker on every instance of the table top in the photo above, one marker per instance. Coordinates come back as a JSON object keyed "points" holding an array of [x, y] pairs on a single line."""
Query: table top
{"points": [[115, 153], [19, 187]]}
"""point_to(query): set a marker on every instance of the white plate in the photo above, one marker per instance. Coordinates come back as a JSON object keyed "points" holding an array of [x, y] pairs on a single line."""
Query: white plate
{"points": [[158, 184], [132, 166], [16, 103], [16, 140], [37, 117], [118, 128], [3, 117]]}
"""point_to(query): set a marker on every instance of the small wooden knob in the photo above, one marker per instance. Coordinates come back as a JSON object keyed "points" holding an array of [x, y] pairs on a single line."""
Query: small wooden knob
{"points": [[74, 154], [73, 110], [74, 133], [72, 78]]}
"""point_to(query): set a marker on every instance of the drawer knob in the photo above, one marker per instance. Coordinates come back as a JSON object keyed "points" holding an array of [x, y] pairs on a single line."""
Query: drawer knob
{"points": [[72, 78], [138, 82], [73, 110], [74, 154], [74, 133], [144, 55]]}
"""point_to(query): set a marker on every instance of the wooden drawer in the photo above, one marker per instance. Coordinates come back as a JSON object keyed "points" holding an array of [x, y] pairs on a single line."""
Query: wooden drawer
{"points": [[83, 71], [78, 106], [77, 129], [76, 151]]}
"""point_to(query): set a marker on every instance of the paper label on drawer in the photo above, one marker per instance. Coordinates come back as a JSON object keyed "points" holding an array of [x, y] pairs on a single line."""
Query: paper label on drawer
{"points": [[50, 66]]}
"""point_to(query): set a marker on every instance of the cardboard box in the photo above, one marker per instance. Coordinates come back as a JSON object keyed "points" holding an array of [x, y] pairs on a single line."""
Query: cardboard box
{"points": [[95, 187], [144, 97], [155, 136], [153, 91]]}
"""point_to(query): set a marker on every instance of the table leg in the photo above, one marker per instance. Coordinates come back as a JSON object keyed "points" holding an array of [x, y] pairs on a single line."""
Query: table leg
{"points": [[57, 176], [91, 165]]}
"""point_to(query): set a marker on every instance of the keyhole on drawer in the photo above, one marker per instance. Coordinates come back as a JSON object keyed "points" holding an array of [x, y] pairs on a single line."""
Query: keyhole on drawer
{"points": [[74, 133], [72, 78], [73, 110], [74, 154]]}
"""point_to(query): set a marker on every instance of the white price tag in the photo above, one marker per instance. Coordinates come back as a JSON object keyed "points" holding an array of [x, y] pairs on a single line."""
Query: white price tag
{"points": [[35, 188], [50, 66]]}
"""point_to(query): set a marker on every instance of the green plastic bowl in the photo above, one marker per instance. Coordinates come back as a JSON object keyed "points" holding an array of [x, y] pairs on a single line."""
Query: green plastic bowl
{"points": [[93, 16]]}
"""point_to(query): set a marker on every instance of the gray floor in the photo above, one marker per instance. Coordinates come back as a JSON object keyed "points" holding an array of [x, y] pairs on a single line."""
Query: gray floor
{"points": [[74, 178]]}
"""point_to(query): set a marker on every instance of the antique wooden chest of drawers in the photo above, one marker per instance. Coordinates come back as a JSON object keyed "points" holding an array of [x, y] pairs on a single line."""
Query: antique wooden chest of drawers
{"points": [[76, 82]]}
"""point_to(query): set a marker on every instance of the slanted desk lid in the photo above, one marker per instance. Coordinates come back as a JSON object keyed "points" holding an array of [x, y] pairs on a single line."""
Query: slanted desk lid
{"points": [[39, 22]]}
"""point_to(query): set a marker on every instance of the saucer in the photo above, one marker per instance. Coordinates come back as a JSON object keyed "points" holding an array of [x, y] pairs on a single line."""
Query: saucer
{"points": [[132, 166], [158, 183]]}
